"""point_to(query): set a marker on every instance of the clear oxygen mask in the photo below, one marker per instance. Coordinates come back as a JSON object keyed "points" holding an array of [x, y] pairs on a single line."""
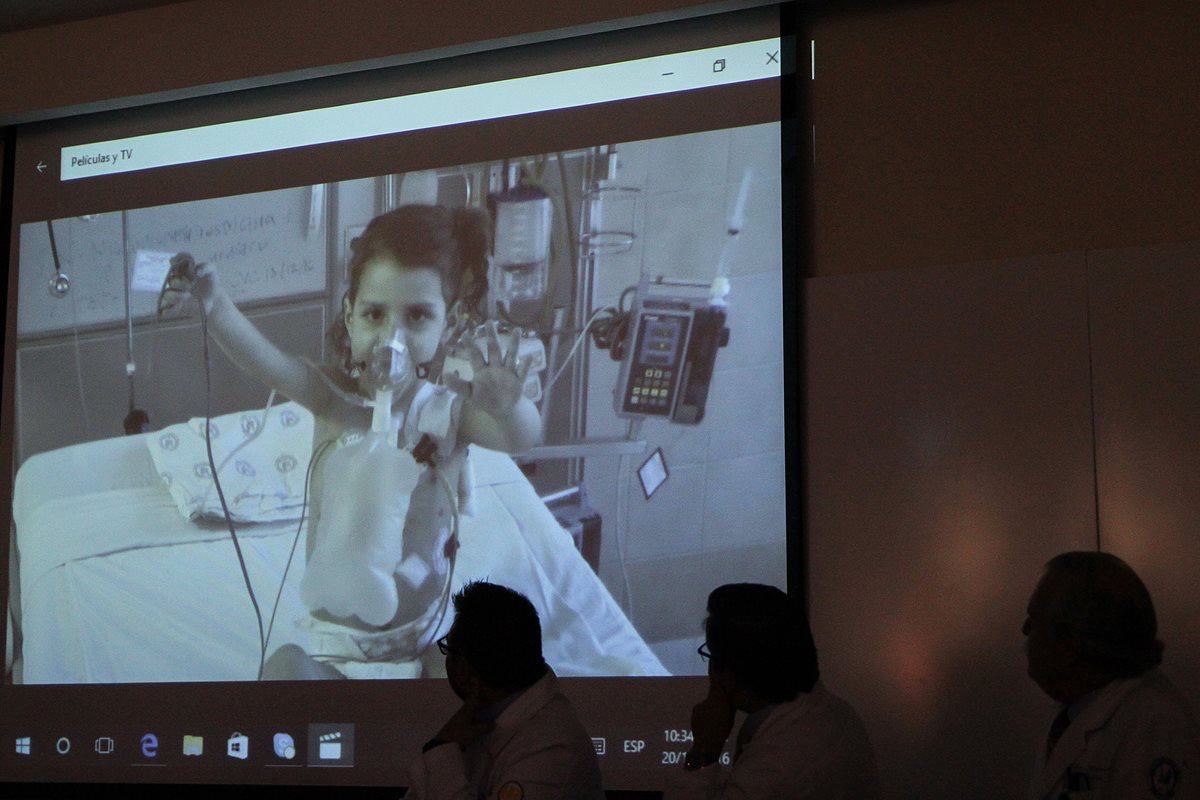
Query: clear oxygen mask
{"points": [[388, 371]]}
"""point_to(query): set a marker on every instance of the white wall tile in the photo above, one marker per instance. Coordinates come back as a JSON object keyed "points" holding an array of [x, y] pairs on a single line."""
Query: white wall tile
{"points": [[744, 501], [633, 163], [757, 147], [757, 248], [669, 594], [688, 162], [681, 444], [745, 412], [755, 319], [670, 522], [685, 231]]}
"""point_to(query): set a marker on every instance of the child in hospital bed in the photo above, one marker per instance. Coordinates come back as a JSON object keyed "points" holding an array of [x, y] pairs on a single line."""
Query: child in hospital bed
{"points": [[380, 526]]}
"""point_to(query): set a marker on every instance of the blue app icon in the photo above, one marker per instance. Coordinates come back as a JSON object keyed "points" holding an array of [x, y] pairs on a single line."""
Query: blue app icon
{"points": [[285, 746], [150, 745]]}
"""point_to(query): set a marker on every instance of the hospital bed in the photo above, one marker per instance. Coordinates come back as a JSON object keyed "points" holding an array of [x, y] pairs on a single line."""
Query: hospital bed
{"points": [[124, 577]]}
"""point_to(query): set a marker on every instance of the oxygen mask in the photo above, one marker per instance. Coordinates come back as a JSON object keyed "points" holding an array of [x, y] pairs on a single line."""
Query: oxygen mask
{"points": [[388, 371]]}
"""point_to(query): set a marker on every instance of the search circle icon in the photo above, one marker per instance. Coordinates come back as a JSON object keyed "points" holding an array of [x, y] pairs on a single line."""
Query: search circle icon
{"points": [[63, 745]]}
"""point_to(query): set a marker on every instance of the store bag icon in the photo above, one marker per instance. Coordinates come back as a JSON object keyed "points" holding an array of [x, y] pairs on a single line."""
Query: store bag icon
{"points": [[238, 746]]}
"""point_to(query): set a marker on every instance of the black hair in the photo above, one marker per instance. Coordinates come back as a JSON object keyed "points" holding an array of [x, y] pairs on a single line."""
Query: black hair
{"points": [[1098, 598], [497, 630], [762, 634], [453, 241]]}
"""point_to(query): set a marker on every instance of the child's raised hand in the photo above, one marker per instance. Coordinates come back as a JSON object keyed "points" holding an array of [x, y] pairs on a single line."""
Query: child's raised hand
{"points": [[184, 279], [498, 381]]}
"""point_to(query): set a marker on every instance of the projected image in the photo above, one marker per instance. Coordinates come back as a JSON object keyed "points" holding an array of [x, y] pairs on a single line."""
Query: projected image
{"points": [[401, 384]]}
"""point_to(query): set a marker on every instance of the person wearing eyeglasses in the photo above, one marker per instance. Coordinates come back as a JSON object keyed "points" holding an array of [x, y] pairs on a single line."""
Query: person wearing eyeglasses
{"points": [[516, 736], [798, 740]]}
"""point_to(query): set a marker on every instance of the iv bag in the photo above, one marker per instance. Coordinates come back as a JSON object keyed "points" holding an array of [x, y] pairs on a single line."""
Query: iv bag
{"points": [[521, 249]]}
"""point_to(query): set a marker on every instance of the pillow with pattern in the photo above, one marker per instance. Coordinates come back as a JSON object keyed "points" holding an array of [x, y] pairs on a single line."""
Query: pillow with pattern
{"points": [[261, 456]]}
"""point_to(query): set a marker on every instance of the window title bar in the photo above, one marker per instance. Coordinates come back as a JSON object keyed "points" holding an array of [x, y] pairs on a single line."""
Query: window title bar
{"points": [[643, 77]]}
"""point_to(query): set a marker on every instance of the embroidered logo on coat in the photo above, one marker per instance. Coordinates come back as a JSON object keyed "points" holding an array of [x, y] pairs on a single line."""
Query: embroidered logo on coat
{"points": [[510, 791], [1164, 777]]}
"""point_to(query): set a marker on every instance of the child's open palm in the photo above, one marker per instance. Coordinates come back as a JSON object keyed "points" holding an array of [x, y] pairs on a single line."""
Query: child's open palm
{"points": [[497, 382]]}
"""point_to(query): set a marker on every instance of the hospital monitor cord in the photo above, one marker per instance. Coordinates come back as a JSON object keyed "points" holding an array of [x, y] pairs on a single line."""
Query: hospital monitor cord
{"points": [[264, 636], [212, 465]]}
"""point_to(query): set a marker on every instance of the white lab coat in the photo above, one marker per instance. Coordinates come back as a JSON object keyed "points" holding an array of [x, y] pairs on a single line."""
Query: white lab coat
{"points": [[538, 751], [812, 748], [1135, 739]]}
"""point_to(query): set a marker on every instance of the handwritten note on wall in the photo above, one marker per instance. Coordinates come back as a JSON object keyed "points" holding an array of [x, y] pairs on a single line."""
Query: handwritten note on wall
{"points": [[266, 245]]}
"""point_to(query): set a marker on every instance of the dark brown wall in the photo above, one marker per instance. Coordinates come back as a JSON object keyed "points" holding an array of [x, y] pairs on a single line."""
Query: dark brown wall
{"points": [[950, 132], [1001, 355], [175, 50]]}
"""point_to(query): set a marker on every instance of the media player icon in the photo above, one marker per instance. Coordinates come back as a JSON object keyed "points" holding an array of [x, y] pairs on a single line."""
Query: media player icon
{"points": [[331, 745]]}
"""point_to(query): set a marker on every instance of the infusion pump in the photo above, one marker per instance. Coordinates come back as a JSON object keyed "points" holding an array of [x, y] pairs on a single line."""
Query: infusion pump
{"points": [[675, 330]]}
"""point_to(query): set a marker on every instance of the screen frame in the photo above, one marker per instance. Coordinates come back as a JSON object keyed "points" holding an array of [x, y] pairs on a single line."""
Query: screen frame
{"points": [[792, 381]]}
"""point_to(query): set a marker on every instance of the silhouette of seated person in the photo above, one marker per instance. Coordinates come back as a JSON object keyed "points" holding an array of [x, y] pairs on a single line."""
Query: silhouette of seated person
{"points": [[516, 736], [798, 740]]}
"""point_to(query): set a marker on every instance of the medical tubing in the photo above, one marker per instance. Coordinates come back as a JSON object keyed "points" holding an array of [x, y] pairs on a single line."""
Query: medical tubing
{"points": [[53, 248], [130, 364], [439, 616], [632, 431], [569, 224], [582, 335], [262, 637], [262, 424], [83, 398], [308, 473]]}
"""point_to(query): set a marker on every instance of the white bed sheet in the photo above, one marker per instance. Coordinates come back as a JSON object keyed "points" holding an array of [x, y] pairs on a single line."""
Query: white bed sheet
{"points": [[117, 587]]}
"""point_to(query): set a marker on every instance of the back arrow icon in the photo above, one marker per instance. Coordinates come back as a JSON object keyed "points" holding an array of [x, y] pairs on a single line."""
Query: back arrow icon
{"points": [[41, 166]]}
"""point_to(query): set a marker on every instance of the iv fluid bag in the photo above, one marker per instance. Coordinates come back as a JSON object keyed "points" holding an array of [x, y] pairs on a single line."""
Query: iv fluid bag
{"points": [[523, 217], [360, 535]]}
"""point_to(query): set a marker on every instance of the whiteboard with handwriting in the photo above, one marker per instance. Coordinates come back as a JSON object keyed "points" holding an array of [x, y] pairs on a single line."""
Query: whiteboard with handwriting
{"points": [[266, 245]]}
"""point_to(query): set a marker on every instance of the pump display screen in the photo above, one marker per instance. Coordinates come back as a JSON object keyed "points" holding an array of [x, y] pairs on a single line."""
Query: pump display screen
{"points": [[654, 373], [661, 342], [193, 290]]}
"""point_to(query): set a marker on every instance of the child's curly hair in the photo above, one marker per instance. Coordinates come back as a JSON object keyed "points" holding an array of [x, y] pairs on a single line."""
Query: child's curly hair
{"points": [[453, 241]]}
